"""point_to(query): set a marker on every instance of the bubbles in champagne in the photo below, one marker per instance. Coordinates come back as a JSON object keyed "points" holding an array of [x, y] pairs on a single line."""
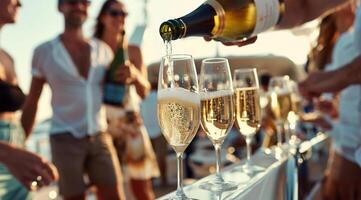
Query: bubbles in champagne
{"points": [[248, 111], [281, 104], [215, 94], [179, 93], [296, 104], [178, 115], [217, 114]]}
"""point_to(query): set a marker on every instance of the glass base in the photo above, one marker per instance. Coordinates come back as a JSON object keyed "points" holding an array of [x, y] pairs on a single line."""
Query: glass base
{"points": [[219, 186], [249, 170], [252, 169], [180, 196], [279, 153], [294, 144], [268, 151]]}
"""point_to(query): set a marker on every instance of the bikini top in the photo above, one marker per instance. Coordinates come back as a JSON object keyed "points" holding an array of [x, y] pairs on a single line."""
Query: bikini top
{"points": [[12, 97]]}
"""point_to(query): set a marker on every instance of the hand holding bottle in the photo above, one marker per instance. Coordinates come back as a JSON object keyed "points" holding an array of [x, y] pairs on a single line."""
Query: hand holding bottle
{"points": [[239, 43], [230, 22], [127, 73]]}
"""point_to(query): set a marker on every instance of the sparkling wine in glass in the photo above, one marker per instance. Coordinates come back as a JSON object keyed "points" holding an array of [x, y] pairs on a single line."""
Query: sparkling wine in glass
{"points": [[178, 107], [294, 115], [217, 112], [281, 105], [248, 110]]}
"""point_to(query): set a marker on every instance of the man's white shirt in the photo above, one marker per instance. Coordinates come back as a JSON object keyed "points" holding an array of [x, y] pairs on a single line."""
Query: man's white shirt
{"points": [[76, 101]]}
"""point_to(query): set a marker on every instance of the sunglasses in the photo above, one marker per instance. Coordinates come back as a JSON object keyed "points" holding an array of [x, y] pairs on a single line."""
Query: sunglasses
{"points": [[117, 13], [18, 4], [75, 2]]}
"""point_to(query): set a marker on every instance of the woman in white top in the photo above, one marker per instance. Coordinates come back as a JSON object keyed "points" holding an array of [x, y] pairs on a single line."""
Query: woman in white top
{"points": [[342, 176], [126, 123]]}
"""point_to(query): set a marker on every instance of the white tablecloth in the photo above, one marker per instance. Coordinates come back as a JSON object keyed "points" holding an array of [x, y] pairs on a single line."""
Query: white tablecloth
{"points": [[270, 184]]}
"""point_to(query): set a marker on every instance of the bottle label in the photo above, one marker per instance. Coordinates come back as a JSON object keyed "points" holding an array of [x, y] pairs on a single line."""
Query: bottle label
{"points": [[268, 14], [114, 94]]}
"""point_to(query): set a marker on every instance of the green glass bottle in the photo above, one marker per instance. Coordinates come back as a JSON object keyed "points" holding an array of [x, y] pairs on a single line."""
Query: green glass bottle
{"points": [[225, 20], [114, 90]]}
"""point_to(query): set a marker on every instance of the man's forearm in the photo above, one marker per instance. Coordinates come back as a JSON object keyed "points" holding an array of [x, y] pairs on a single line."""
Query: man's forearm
{"points": [[301, 11], [5, 149], [346, 76], [31, 104], [349, 74], [28, 118], [354, 71]]}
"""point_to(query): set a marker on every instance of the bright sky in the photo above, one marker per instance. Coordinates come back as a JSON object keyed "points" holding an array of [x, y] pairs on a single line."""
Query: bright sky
{"points": [[39, 21]]}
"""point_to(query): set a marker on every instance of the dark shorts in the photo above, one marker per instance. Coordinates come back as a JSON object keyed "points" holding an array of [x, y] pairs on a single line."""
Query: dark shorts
{"points": [[94, 156], [160, 146]]}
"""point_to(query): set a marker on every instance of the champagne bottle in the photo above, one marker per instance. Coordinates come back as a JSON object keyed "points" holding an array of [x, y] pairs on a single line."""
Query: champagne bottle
{"points": [[225, 20], [114, 90]]}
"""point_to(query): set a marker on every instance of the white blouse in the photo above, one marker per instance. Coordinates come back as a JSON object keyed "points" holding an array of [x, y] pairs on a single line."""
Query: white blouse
{"points": [[347, 130]]}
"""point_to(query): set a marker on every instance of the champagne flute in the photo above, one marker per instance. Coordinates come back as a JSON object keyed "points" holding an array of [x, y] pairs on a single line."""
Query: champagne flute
{"points": [[293, 116], [217, 112], [178, 107], [281, 105], [248, 110]]}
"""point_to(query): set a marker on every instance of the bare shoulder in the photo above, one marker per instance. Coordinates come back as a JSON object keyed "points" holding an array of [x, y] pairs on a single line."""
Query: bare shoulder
{"points": [[2, 67], [2, 72], [135, 55], [6, 55], [7, 68], [132, 49]]}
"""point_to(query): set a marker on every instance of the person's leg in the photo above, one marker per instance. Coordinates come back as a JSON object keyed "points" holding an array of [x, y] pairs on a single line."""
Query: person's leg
{"points": [[187, 154], [104, 169], [146, 191], [110, 192], [342, 180], [68, 155], [163, 169], [120, 148], [75, 197], [161, 149]]}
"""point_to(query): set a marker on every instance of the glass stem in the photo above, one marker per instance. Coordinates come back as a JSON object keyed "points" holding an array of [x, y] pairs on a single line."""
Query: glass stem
{"points": [[219, 178], [248, 142], [287, 131], [293, 129], [180, 192], [279, 134]]}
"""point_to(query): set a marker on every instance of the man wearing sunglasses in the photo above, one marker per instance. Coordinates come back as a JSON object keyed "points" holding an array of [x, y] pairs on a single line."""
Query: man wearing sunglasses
{"points": [[74, 68]]}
